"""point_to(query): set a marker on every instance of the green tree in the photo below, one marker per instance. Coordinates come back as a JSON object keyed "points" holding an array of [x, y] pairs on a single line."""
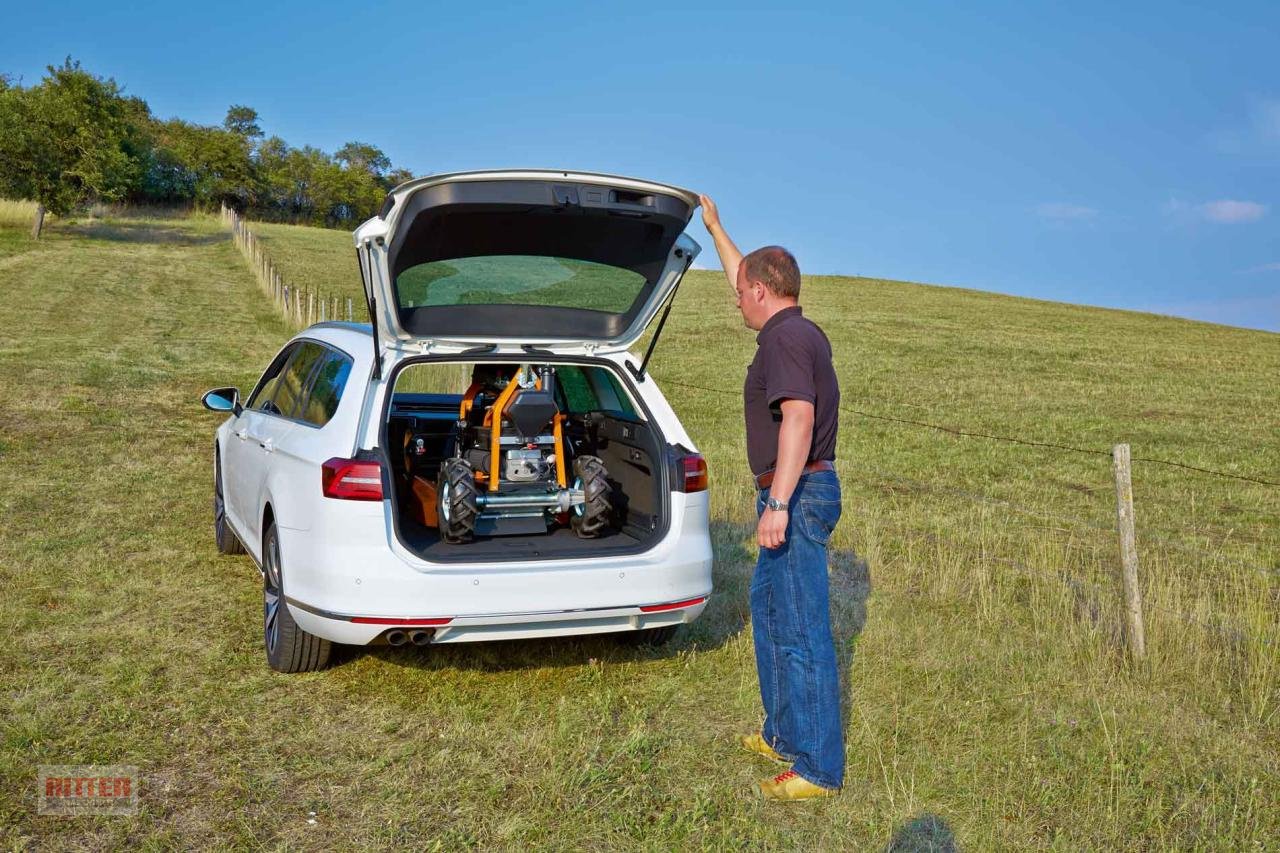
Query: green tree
{"points": [[396, 177], [242, 121], [69, 140], [365, 157], [206, 165]]}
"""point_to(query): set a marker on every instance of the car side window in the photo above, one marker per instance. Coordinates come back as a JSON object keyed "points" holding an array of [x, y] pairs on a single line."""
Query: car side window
{"points": [[591, 389], [621, 399], [270, 379], [287, 400], [326, 389]]}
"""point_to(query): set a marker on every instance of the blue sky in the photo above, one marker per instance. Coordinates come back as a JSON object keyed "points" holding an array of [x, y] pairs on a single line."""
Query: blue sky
{"points": [[1125, 155]]}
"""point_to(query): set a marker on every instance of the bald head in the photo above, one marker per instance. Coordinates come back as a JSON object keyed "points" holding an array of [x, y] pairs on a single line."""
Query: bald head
{"points": [[775, 268]]}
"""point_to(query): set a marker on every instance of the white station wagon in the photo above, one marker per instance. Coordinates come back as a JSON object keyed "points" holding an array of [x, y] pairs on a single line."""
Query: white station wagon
{"points": [[485, 459]]}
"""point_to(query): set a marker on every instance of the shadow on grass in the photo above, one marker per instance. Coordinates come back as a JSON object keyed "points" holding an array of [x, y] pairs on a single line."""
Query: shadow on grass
{"points": [[140, 232], [724, 617], [928, 832]]}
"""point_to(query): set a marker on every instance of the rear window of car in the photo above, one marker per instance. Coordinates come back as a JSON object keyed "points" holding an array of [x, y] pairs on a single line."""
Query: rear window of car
{"points": [[326, 388], [520, 280]]}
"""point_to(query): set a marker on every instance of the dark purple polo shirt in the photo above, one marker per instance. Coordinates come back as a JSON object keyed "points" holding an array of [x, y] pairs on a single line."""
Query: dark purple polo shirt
{"points": [[793, 362]]}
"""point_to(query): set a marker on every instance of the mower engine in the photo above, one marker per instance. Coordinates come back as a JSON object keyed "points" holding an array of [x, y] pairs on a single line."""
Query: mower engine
{"points": [[530, 464]]}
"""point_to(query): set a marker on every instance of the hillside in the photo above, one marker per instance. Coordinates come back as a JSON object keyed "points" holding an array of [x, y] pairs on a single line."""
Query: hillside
{"points": [[1050, 372], [972, 587]]}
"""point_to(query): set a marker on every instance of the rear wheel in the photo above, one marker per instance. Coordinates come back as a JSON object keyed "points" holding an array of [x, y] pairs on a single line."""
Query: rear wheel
{"points": [[223, 535], [592, 516], [456, 504], [289, 648]]}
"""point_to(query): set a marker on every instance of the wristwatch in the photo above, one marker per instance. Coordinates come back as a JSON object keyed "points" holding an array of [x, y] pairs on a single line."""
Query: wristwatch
{"points": [[775, 504]]}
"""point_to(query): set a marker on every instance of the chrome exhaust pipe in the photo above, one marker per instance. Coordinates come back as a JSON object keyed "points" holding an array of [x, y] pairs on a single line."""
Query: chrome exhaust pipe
{"points": [[421, 637], [397, 637]]}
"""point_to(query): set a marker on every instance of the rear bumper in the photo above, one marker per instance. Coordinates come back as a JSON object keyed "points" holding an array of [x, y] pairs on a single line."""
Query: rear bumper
{"points": [[497, 626], [336, 576]]}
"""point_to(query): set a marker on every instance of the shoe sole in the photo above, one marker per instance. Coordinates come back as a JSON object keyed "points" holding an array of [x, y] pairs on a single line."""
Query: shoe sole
{"points": [[822, 796]]}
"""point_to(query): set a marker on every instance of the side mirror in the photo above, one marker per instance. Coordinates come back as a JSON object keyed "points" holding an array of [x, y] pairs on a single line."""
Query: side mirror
{"points": [[222, 400]]}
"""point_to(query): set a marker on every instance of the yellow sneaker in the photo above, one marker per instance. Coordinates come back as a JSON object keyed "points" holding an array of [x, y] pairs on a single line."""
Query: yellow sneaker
{"points": [[791, 786], [756, 743]]}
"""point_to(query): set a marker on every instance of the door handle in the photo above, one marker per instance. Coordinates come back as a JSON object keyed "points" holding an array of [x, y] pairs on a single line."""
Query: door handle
{"points": [[267, 445], [242, 433]]}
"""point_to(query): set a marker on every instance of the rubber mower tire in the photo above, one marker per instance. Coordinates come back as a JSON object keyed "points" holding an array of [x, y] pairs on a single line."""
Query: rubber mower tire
{"points": [[456, 505], [595, 514]]}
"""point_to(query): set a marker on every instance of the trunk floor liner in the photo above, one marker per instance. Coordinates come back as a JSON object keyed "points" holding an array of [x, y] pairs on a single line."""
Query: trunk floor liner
{"points": [[561, 542]]}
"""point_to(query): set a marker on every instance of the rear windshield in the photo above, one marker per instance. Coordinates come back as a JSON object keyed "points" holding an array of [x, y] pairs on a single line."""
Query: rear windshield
{"points": [[520, 280]]}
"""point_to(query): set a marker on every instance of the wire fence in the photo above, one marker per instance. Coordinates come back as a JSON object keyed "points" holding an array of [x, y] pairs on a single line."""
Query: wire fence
{"points": [[1026, 442], [300, 306], [1073, 524]]}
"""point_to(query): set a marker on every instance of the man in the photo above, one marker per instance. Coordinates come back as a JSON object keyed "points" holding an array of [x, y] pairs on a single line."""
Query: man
{"points": [[791, 403]]}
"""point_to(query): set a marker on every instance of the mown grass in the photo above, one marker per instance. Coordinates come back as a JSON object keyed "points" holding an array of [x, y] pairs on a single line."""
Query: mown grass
{"points": [[986, 704]]}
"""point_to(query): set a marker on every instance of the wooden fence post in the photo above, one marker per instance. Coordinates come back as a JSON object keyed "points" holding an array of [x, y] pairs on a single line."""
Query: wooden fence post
{"points": [[1134, 633], [348, 310]]}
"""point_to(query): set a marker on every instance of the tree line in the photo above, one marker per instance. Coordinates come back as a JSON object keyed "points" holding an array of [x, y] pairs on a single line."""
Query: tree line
{"points": [[76, 138]]}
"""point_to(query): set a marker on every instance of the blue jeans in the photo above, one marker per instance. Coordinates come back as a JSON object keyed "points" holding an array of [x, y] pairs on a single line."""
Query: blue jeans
{"points": [[791, 624]]}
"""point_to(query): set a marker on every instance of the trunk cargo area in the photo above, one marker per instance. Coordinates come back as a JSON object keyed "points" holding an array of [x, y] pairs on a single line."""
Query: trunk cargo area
{"points": [[600, 419]]}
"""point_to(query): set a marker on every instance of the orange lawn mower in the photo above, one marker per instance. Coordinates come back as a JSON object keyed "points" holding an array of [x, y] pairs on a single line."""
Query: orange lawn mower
{"points": [[506, 465]]}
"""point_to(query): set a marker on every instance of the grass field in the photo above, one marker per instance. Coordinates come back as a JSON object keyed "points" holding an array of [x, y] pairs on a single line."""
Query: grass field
{"points": [[986, 704], [17, 214]]}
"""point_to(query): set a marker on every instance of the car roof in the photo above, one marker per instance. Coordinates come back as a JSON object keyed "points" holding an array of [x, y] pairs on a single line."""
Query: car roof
{"points": [[351, 338], [364, 329]]}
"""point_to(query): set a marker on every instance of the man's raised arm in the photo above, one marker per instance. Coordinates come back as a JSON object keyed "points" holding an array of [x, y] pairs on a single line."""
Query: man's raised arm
{"points": [[730, 257]]}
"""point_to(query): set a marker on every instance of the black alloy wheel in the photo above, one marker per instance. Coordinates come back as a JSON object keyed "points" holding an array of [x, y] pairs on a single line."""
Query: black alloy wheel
{"points": [[223, 535], [289, 647]]}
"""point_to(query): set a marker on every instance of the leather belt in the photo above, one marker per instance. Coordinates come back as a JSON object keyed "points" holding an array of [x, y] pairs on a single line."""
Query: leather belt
{"points": [[765, 480]]}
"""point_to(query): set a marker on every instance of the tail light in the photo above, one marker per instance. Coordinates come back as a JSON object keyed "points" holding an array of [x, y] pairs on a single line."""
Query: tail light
{"points": [[351, 479], [693, 469]]}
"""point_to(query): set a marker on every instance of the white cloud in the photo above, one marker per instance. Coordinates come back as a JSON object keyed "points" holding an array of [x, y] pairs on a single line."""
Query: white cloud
{"points": [[1274, 267], [1223, 211], [1230, 212], [1065, 212]]}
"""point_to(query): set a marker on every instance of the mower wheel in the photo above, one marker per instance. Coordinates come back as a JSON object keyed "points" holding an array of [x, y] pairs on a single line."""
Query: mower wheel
{"points": [[590, 518], [456, 507]]}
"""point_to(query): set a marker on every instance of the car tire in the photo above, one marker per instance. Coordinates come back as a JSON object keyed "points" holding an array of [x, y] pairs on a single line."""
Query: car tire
{"points": [[223, 535], [289, 647], [592, 517], [648, 637], [457, 506]]}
